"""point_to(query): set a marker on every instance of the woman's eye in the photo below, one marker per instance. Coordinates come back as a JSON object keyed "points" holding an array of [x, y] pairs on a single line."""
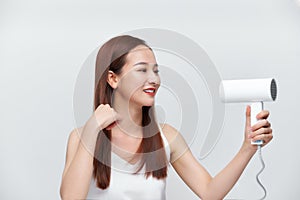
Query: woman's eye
{"points": [[145, 70], [142, 70]]}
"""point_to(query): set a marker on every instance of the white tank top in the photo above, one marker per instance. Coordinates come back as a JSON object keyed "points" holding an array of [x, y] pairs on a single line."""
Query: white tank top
{"points": [[128, 186]]}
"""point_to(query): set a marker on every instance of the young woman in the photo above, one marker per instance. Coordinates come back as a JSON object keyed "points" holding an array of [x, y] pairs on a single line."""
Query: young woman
{"points": [[123, 153]]}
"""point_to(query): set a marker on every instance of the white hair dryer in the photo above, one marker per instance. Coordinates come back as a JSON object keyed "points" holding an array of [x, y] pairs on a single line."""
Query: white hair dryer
{"points": [[255, 91]]}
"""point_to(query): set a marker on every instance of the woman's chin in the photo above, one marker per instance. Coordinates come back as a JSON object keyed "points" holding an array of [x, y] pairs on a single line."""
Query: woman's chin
{"points": [[144, 102], [148, 103]]}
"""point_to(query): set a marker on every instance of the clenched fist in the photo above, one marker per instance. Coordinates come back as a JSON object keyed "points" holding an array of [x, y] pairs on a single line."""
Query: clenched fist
{"points": [[106, 116]]}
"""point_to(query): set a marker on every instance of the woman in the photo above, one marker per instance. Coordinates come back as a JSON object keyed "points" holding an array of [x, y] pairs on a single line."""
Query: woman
{"points": [[123, 153]]}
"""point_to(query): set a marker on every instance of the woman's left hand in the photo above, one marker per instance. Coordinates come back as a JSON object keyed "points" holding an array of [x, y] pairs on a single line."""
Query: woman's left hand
{"points": [[259, 131]]}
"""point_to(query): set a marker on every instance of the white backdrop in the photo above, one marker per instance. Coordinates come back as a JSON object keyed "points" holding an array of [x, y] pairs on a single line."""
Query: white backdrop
{"points": [[43, 45]]}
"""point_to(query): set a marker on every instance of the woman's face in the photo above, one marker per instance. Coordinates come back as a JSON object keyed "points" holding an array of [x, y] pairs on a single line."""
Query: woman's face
{"points": [[139, 80]]}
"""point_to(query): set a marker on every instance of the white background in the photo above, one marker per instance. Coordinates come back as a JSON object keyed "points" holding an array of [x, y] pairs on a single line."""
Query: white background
{"points": [[44, 43]]}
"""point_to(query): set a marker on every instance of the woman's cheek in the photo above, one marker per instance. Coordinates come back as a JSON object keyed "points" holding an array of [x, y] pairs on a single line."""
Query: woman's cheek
{"points": [[133, 84]]}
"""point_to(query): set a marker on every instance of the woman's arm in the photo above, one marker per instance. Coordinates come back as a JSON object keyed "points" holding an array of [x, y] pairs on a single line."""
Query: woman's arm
{"points": [[195, 175], [78, 169]]}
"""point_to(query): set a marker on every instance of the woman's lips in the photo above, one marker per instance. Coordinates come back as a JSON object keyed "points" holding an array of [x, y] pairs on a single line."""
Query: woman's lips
{"points": [[149, 91]]}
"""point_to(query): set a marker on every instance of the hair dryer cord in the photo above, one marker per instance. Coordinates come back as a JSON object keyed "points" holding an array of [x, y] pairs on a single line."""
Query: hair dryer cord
{"points": [[262, 169]]}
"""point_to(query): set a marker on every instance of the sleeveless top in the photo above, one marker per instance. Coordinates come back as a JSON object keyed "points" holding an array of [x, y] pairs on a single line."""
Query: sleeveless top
{"points": [[127, 186]]}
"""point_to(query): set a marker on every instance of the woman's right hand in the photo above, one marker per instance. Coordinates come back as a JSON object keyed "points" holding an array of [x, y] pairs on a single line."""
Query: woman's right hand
{"points": [[106, 117]]}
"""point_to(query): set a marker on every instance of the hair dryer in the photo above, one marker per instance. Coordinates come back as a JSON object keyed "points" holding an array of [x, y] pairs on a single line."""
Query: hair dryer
{"points": [[255, 91]]}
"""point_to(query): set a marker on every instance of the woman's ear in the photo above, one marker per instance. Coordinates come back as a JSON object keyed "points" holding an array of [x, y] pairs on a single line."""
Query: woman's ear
{"points": [[112, 79]]}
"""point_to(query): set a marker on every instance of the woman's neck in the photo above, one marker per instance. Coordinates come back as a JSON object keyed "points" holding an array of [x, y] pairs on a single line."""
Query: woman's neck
{"points": [[131, 122]]}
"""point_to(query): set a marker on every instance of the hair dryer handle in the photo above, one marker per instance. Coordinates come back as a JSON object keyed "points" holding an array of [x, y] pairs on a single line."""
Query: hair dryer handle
{"points": [[255, 109]]}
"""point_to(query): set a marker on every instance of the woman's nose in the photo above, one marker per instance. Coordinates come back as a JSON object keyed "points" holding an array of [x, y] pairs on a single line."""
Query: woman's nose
{"points": [[153, 78]]}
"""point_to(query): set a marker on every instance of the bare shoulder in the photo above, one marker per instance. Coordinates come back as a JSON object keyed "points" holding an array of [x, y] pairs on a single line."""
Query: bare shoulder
{"points": [[176, 141], [169, 131], [74, 136]]}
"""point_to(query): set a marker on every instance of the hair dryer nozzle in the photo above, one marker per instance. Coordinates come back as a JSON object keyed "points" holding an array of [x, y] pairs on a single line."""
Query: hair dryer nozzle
{"points": [[248, 90]]}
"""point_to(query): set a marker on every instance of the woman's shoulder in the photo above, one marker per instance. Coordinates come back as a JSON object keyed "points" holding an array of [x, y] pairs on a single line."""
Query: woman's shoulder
{"points": [[176, 141], [76, 132], [168, 130], [74, 136]]}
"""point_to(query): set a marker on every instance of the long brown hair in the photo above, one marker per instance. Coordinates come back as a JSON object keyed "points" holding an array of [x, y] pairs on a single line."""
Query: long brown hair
{"points": [[112, 56]]}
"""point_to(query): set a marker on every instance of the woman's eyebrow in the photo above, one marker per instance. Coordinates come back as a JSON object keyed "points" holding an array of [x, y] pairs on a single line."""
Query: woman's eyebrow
{"points": [[145, 63]]}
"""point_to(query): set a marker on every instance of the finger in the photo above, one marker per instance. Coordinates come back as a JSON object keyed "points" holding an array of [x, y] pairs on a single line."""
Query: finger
{"points": [[261, 123], [264, 137], [248, 118], [99, 107], [261, 131], [264, 114], [267, 140]]}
